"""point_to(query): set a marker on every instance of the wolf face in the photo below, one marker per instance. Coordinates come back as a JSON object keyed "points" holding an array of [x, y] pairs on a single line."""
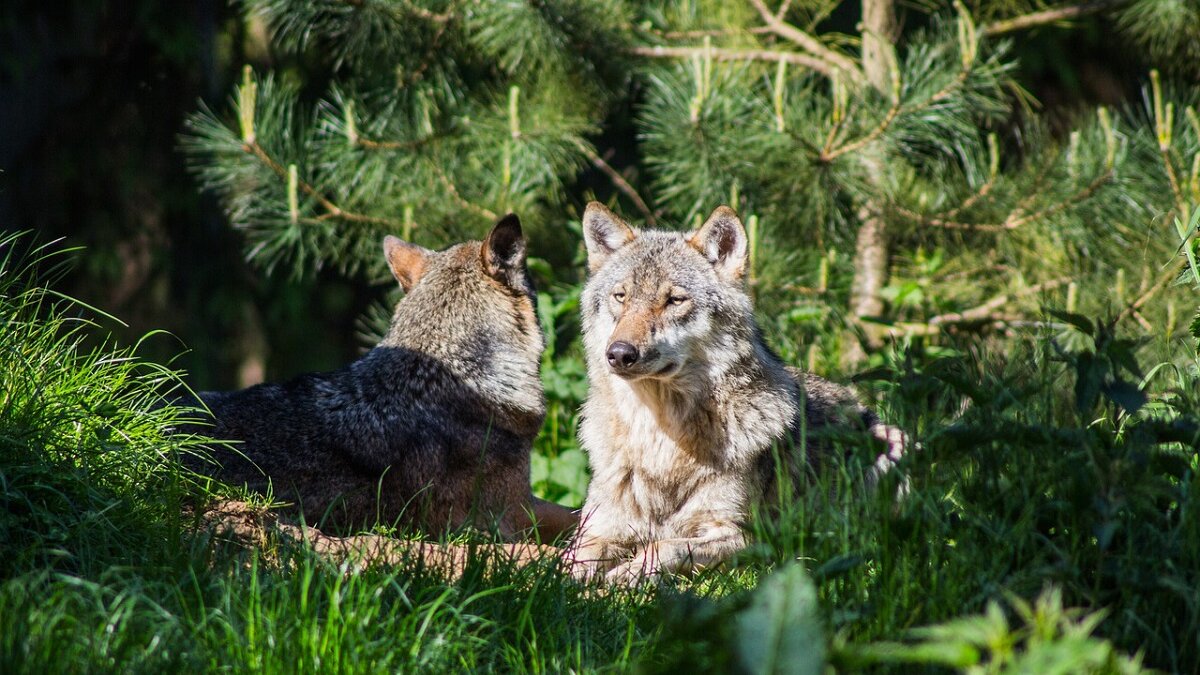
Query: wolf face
{"points": [[656, 299]]}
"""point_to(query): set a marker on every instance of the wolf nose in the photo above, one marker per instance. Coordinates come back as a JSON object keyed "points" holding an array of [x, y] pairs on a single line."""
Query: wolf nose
{"points": [[621, 354]]}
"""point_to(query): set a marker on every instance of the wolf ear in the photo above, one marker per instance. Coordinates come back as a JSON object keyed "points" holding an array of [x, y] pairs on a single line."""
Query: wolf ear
{"points": [[603, 233], [407, 261], [504, 250], [722, 240]]}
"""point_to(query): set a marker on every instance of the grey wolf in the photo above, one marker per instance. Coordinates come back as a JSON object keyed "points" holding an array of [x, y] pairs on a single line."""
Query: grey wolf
{"points": [[433, 427], [687, 408]]}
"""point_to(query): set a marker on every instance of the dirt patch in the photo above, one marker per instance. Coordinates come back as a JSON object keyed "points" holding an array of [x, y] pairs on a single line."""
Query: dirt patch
{"points": [[256, 527]]}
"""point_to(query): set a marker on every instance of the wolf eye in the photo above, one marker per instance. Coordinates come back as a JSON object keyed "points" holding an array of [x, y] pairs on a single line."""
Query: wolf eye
{"points": [[677, 299], [619, 296]]}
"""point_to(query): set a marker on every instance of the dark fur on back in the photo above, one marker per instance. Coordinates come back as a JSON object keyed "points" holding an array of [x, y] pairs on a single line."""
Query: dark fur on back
{"points": [[433, 427]]}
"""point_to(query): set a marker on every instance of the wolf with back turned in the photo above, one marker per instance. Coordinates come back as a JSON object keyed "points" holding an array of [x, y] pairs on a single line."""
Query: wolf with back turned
{"points": [[431, 428], [690, 418]]}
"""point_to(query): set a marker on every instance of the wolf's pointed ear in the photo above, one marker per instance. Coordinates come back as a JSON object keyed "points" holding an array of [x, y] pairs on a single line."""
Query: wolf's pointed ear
{"points": [[504, 250], [603, 233], [722, 240], [407, 261]]}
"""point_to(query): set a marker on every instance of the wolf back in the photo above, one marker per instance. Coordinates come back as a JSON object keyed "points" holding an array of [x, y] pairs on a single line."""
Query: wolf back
{"points": [[433, 427]]}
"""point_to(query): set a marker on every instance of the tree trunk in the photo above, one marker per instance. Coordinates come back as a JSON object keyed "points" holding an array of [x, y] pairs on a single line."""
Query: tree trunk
{"points": [[879, 33]]}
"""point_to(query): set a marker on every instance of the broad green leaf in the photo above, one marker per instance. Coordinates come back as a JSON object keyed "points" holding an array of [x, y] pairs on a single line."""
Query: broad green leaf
{"points": [[780, 632]]}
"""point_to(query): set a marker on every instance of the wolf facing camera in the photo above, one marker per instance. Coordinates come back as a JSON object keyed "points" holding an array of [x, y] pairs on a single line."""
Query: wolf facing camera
{"points": [[687, 407]]}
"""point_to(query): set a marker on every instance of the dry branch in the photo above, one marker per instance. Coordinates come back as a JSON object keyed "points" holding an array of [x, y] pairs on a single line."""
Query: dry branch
{"points": [[775, 23], [253, 527], [1048, 16], [795, 58], [982, 313], [621, 184]]}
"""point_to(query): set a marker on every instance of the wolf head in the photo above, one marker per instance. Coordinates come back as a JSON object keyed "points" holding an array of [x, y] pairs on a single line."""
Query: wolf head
{"points": [[500, 257], [660, 304], [471, 307]]}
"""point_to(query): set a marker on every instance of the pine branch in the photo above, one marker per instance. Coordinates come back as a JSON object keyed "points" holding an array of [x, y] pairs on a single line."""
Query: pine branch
{"points": [[332, 210], [1014, 219], [1165, 280], [828, 154], [795, 58], [880, 32], [419, 72], [411, 9], [457, 197], [621, 184], [775, 23], [983, 191], [1048, 16], [426, 14]]}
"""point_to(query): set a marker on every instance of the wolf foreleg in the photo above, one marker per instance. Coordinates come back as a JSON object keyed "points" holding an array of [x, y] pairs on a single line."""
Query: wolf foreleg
{"points": [[680, 555]]}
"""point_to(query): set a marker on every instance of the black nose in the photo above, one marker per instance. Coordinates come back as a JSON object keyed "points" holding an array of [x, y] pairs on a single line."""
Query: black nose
{"points": [[621, 354]]}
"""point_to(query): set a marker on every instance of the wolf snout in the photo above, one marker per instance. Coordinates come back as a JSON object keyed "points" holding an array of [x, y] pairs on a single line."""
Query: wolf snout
{"points": [[622, 354]]}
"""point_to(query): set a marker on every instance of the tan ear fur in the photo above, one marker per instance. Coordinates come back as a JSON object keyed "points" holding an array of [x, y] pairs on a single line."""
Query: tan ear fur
{"points": [[407, 261]]}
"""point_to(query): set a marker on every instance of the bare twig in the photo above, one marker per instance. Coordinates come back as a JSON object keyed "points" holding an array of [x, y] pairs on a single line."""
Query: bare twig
{"points": [[714, 32], [1048, 16], [783, 10], [621, 184], [1137, 316], [808, 43], [369, 144], [795, 58], [983, 313], [426, 14]]}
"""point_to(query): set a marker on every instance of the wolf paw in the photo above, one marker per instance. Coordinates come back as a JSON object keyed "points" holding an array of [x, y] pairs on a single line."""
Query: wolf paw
{"points": [[588, 561], [897, 443], [584, 570], [633, 573]]}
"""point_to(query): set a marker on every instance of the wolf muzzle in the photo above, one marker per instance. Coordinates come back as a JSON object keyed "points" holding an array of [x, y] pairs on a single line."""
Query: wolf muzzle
{"points": [[621, 355]]}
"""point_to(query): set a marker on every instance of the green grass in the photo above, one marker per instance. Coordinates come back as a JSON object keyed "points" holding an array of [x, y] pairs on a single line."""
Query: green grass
{"points": [[1061, 485]]}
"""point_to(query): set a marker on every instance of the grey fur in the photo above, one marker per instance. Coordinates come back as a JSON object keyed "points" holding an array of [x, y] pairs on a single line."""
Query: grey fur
{"points": [[433, 427], [680, 435]]}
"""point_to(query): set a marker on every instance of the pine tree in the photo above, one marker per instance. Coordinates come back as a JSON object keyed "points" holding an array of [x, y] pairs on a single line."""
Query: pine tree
{"points": [[895, 180]]}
